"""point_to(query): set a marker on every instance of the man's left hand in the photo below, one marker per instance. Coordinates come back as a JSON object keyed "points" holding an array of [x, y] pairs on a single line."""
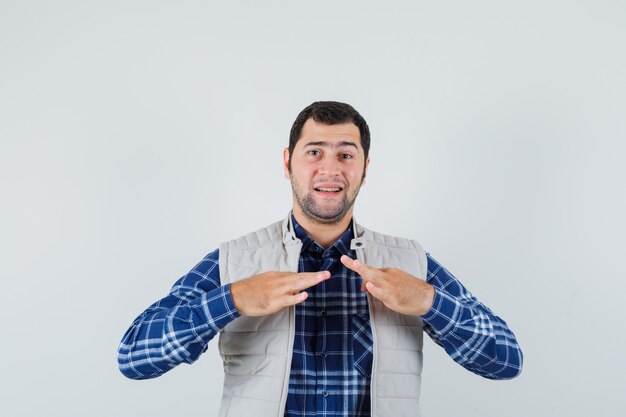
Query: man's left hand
{"points": [[396, 289]]}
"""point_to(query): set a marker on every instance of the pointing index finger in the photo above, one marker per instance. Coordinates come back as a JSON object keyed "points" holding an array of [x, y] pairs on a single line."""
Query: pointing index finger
{"points": [[354, 264], [349, 262]]}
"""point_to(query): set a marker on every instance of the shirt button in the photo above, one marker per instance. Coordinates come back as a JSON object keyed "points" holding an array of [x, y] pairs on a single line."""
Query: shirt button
{"points": [[323, 313], [323, 354], [325, 394]]}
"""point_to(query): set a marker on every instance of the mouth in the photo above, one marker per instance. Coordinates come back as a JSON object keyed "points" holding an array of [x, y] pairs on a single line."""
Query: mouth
{"points": [[328, 191]]}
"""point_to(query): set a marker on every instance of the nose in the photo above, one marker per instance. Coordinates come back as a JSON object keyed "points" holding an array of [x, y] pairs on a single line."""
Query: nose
{"points": [[329, 166]]}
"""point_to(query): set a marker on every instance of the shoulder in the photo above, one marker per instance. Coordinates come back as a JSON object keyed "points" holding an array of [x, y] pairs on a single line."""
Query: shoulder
{"points": [[258, 238], [382, 239], [252, 253], [384, 250]]}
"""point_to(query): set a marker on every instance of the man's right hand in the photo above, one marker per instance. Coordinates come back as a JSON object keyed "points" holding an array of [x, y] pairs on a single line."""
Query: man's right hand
{"points": [[269, 292]]}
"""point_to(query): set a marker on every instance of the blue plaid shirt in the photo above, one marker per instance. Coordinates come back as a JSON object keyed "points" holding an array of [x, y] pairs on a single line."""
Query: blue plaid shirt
{"points": [[332, 355]]}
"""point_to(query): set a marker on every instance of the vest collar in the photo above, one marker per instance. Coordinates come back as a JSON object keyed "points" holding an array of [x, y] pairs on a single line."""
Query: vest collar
{"points": [[358, 242]]}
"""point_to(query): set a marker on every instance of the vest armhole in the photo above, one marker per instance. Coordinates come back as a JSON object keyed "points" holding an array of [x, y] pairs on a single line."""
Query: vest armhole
{"points": [[423, 260], [223, 263]]}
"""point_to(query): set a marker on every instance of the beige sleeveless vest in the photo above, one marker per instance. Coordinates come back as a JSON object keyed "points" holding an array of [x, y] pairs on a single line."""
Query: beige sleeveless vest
{"points": [[257, 351]]}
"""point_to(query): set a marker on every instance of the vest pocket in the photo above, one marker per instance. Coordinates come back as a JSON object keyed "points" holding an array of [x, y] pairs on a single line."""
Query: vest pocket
{"points": [[362, 344]]}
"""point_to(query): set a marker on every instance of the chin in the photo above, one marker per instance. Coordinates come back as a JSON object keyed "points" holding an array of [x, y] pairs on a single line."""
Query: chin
{"points": [[327, 217]]}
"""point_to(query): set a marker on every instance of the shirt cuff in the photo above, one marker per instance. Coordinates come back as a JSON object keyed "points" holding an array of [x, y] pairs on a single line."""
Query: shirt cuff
{"points": [[444, 312], [229, 301], [216, 307]]}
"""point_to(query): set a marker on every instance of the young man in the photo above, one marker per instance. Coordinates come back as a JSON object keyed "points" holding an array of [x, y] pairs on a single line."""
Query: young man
{"points": [[317, 314]]}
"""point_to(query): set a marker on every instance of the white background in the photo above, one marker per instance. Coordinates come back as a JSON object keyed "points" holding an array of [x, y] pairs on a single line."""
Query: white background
{"points": [[137, 135]]}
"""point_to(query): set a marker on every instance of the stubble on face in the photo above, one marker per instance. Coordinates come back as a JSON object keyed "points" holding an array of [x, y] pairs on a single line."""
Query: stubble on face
{"points": [[323, 215], [310, 168]]}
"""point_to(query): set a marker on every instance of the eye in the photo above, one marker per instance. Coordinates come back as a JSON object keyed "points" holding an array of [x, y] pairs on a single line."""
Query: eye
{"points": [[313, 152], [346, 156]]}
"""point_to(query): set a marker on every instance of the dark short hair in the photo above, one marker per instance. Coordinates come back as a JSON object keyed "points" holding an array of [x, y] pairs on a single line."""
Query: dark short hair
{"points": [[329, 113]]}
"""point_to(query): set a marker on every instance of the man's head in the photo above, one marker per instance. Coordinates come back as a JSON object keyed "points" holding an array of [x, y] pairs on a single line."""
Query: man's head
{"points": [[326, 161], [330, 113]]}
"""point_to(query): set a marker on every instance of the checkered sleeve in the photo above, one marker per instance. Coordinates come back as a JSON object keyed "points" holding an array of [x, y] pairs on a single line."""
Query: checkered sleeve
{"points": [[470, 333], [177, 328]]}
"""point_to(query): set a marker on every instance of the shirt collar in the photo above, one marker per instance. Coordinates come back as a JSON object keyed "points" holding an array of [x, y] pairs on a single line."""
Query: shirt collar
{"points": [[340, 247]]}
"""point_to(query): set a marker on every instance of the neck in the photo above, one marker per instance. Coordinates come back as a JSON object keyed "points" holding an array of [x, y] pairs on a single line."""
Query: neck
{"points": [[324, 234]]}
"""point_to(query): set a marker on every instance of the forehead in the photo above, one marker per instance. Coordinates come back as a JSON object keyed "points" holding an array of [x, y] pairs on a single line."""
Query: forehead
{"points": [[313, 131]]}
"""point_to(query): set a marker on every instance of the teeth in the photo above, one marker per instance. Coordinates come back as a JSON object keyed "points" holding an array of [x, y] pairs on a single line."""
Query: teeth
{"points": [[328, 189]]}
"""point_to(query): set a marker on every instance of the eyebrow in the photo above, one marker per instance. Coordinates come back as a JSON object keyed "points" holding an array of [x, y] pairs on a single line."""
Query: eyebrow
{"points": [[338, 145]]}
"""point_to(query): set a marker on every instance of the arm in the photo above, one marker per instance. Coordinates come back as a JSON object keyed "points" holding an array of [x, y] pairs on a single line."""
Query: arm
{"points": [[470, 333], [177, 328]]}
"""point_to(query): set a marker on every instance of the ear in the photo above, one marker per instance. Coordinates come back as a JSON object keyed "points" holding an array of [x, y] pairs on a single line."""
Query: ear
{"points": [[367, 164], [286, 163]]}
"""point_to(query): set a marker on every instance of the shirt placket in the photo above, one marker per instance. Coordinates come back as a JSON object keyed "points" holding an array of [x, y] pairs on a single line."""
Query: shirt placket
{"points": [[323, 392], [321, 342]]}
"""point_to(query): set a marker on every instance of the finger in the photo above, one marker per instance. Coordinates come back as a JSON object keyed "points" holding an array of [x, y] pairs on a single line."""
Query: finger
{"points": [[375, 291], [366, 272], [296, 298], [354, 264], [308, 279], [348, 262]]}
